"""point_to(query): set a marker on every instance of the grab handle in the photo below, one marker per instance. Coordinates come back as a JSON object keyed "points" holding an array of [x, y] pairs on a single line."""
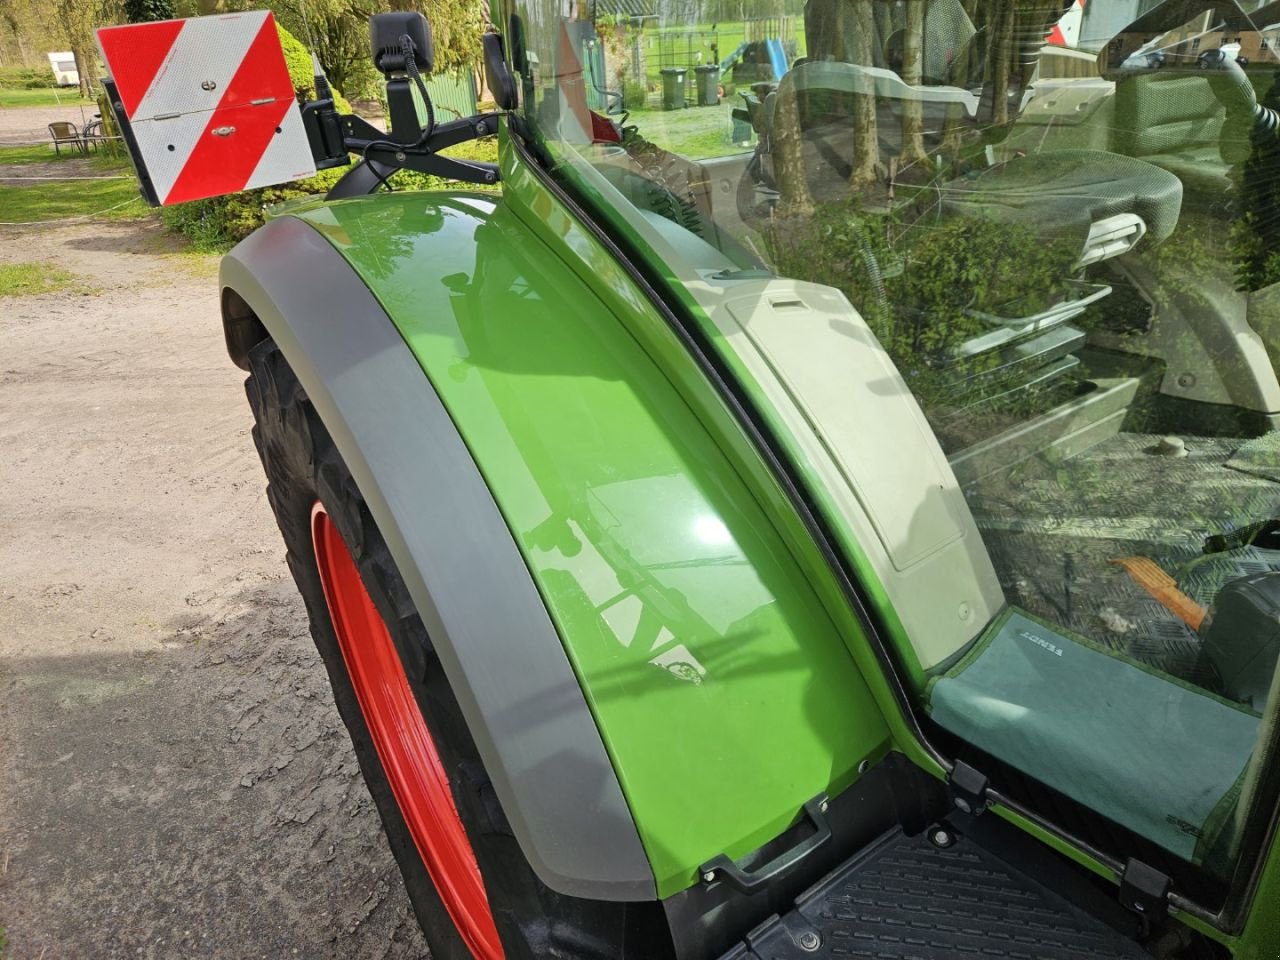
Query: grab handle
{"points": [[753, 881]]}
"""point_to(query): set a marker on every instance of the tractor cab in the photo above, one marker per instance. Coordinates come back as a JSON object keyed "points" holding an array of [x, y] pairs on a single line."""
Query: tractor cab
{"points": [[1000, 274]]}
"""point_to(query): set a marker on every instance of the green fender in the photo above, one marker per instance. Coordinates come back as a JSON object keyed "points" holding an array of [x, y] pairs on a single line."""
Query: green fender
{"points": [[723, 691]]}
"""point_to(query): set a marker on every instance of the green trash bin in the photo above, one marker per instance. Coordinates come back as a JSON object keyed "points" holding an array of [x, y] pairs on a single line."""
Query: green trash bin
{"points": [[708, 84], [673, 88]]}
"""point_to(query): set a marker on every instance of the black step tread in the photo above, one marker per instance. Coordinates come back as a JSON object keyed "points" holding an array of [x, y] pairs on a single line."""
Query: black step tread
{"points": [[902, 898]]}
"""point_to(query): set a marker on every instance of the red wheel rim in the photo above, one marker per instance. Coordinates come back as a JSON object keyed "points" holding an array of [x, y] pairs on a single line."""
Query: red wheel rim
{"points": [[404, 744]]}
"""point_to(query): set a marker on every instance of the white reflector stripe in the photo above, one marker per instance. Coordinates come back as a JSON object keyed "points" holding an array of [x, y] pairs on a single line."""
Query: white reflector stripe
{"points": [[196, 74], [232, 144], [155, 137], [281, 161], [140, 50]]}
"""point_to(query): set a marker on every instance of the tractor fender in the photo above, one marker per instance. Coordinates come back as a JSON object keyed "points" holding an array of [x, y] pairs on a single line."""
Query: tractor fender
{"points": [[725, 694], [490, 628]]}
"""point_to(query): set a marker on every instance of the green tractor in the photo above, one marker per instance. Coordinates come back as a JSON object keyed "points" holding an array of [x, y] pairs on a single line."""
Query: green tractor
{"points": [[864, 542]]}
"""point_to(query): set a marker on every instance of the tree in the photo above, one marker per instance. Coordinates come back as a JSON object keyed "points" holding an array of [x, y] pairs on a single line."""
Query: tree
{"points": [[77, 20], [912, 73], [956, 121], [866, 135], [789, 157], [145, 11], [26, 31], [1000, 58], [339, 32], [456, 26], [9, 17]]}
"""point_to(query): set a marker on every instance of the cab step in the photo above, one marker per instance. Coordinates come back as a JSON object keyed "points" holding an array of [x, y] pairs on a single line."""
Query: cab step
{"points": [[907, 898]]}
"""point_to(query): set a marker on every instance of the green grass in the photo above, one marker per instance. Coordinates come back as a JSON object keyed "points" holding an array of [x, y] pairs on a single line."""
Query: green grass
{"points": [[36, 154], [53, 200], [44, 153], [41, 97], [27, 279], [696, 132], [41, 200]]}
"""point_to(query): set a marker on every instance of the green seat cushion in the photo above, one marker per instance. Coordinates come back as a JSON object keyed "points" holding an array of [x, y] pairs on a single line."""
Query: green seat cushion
{"points": [[1152, 753]]}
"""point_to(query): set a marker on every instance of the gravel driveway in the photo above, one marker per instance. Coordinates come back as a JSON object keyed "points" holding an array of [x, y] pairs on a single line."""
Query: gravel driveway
{"points": [[27, 124], [174, 779]]}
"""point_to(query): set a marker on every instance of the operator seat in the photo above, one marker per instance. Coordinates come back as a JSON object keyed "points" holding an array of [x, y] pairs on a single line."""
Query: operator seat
{"points": [[1183, 100], [1177, 121], [1093, 203], [1056, 194]]}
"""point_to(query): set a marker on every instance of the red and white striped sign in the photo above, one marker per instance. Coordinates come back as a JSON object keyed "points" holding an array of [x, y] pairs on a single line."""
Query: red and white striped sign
{"points": [[1066, 32], [210, 104]]}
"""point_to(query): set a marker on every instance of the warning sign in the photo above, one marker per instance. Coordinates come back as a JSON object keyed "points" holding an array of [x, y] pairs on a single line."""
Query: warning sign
{"points": [[207, 104]]}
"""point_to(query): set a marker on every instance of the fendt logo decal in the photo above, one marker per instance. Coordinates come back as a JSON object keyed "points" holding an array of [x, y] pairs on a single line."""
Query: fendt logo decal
{"points": [[208, 103], [1040, 641]]}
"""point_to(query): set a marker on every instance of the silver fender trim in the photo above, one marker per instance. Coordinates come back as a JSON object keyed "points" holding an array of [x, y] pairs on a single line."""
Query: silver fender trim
{"points": [[499, 648]]}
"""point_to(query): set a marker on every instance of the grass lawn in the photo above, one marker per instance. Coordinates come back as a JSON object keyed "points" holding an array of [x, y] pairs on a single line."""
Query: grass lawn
{"points": [[38, 200], [100, 160], [26, 279], [42, 97], [39, 153], [36, 154], [696, 132]]}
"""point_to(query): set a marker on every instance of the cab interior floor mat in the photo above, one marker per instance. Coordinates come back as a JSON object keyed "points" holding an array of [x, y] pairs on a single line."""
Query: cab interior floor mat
{"points": [[1055, 527], [904, 897]]}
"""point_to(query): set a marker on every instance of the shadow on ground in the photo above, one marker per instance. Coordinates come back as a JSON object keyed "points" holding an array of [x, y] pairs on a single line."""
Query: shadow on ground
{"points": [[139, 769]]}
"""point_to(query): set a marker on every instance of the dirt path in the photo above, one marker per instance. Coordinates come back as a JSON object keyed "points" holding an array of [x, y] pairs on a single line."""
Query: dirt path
{"points": [[174, 780], [26, 124]]}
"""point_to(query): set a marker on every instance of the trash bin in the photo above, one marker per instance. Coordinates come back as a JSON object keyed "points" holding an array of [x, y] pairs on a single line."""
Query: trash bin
{"points": [[708, 84], [673, 88]]}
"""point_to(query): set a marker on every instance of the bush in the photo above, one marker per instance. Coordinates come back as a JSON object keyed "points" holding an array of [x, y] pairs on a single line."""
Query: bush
{"points": [[148, 11], [298, 61], [216, 223], [919, 285], [634, 95]]}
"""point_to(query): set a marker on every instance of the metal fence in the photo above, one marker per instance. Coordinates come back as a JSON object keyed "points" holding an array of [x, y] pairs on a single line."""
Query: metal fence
{"points": [[453, 97]]}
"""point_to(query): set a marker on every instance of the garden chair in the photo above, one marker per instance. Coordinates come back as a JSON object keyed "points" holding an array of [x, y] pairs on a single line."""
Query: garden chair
{"points": [[95, 135], [65, 132]]}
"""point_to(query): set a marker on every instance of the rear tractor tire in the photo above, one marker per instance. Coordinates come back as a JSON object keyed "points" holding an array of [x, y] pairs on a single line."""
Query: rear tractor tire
{"points": [[472, 889]]}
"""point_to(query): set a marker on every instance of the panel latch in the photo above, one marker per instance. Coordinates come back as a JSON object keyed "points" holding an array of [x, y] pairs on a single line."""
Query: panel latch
{"points": [[968, 789], [1145, 891]]}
